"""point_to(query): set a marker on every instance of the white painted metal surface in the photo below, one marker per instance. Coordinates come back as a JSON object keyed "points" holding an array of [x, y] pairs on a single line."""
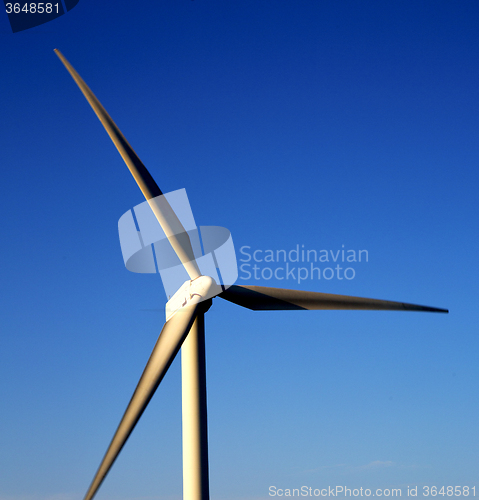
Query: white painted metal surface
{"points": [[194, 414]]}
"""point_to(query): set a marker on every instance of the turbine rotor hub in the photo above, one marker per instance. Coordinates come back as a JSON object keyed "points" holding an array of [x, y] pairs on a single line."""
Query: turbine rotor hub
{"points": [[197, 290]]}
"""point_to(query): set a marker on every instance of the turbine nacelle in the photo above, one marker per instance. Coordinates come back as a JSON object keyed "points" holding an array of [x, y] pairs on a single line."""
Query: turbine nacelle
{"points": [[203, 287]]}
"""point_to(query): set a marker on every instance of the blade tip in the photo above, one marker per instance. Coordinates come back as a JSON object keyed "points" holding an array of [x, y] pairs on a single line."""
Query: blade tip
{"points": [[438, 310]]}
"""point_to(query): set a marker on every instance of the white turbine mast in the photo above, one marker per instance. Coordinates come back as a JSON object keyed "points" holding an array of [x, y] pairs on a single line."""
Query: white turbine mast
{"points": [[184, 327]]}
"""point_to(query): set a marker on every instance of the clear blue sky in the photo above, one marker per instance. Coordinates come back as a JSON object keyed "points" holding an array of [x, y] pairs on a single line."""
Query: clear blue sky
{"points": [[315, 123]]}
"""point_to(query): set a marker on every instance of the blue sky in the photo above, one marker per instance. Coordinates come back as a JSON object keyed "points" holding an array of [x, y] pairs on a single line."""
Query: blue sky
{"points": [[290, 123]]}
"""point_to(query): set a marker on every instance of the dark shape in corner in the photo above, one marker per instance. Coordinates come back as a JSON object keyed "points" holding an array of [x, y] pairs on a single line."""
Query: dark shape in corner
{"points": [[29, 14], [69, 4]]}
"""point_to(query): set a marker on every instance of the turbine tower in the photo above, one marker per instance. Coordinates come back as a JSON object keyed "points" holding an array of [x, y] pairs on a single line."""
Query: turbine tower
{"points": [[185, 328]]}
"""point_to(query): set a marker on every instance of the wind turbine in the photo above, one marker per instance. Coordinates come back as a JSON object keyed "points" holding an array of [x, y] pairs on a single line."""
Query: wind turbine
{"points": [[184, 327]]}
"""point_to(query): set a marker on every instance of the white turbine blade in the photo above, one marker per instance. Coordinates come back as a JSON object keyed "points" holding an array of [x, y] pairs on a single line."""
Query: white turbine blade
{"points": [[167, 218], [261, 298], [167, 346]]}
